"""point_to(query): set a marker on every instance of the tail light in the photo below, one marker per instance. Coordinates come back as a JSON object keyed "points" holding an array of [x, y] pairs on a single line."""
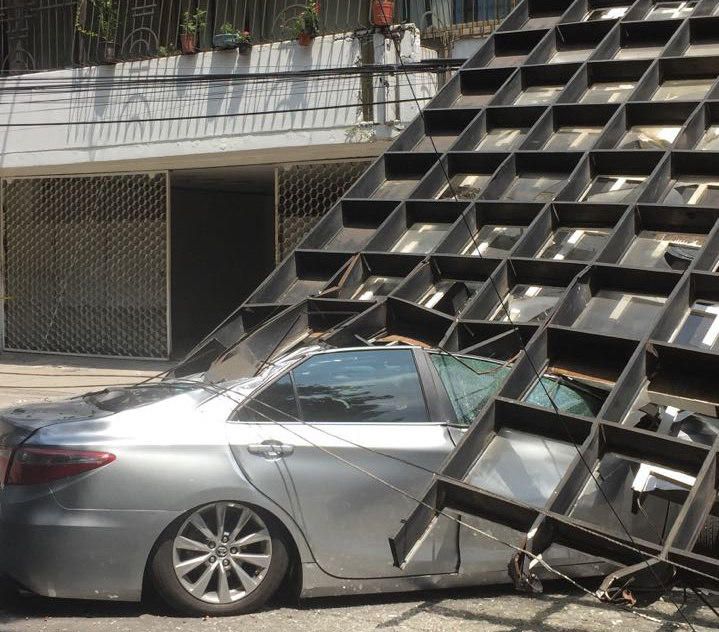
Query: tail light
{"points": [[5, 455], [34, 465]]}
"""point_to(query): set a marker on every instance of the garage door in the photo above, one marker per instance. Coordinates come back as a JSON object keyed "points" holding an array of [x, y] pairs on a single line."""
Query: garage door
{"points": [[85, 264]]}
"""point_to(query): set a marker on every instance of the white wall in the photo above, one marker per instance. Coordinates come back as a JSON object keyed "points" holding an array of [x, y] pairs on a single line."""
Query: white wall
{"points": [[466, 47], [63, 145]]}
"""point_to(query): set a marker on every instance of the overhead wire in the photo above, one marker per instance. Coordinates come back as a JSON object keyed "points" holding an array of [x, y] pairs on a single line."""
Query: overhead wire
{"points": [[166, 97], [23, 82], [163, 85], [164, 119], [70, 92]]}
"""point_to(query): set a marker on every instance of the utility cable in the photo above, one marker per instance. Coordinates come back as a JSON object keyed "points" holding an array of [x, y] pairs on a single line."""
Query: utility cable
{"points": [[165, 119], [167, 96], [426, 65]]}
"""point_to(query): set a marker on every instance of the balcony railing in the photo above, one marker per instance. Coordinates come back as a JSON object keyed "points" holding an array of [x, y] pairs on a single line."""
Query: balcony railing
{"points": [[40, 35]]}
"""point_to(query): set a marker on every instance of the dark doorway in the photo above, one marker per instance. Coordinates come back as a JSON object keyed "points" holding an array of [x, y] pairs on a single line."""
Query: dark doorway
{"points": [[222, 245]]}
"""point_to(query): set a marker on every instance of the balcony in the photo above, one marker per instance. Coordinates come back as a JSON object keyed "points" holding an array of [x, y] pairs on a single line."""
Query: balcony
{"points": [[37, 35]]}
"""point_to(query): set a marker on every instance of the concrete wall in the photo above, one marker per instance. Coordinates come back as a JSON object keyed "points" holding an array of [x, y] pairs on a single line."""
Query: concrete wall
{"points": [[82, 114]]}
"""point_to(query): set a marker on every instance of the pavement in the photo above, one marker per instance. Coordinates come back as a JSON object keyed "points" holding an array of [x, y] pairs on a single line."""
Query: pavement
{"points": [[561, 608], [31, 377]]}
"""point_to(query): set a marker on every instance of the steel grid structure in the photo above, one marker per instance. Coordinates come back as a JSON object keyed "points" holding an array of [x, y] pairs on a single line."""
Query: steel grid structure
{"points": [[567, 224]]}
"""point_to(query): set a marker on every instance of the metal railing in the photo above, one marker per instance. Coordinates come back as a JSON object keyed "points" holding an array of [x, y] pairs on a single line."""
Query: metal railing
{"points": [[446, 14], [50, 34]]}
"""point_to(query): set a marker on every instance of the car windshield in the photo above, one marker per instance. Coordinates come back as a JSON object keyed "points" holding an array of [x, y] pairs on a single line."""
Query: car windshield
{"points": [[469, 382], [119, 399], [568, 396]]}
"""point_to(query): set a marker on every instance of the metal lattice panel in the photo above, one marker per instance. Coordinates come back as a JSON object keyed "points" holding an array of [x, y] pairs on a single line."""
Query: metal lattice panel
{"points": [[306, 193], [86, 264], [555, 209]]}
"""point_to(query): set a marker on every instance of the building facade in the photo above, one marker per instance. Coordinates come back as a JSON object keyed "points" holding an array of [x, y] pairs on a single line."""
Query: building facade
{"points": [[142, 199]]}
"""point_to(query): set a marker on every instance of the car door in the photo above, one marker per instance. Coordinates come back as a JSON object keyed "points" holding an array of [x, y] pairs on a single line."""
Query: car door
{"points": [[365, 432]]}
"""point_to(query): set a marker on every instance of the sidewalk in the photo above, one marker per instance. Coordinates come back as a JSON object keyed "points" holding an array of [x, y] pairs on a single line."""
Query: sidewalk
{"points": [[32, 377]]}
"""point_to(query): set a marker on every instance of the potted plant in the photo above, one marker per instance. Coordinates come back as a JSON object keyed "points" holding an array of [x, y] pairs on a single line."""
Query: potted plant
{"points": [[167, 51], [307, 24], [382, 12], [107, 21], [229, 37], [192, 23], [245, 42]]}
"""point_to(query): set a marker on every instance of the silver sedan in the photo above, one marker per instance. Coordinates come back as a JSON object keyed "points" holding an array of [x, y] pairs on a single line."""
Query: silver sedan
{"points": [[214, 495]]}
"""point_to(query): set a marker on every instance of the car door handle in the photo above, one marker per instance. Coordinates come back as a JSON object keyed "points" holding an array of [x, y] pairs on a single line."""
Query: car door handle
{"points": [[271, 449]]}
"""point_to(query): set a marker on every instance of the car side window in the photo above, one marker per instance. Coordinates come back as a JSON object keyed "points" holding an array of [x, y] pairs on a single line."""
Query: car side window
{"points": [[277, 402], [469, 382], [361, 386]]}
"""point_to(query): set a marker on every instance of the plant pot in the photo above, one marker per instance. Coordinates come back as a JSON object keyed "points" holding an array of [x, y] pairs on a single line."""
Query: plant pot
{"points": [[245, 48], [188, 41], [382, 12], [226, 41], [305, 39], [107, 51]]}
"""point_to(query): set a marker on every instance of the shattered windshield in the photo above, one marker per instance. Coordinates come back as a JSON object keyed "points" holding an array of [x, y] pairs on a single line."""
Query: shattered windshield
{"points": [[569, 396], [469, 382]]}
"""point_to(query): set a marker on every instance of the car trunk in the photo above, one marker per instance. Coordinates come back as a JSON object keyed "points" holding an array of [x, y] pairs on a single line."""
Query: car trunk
{"points": [[17, 424]]}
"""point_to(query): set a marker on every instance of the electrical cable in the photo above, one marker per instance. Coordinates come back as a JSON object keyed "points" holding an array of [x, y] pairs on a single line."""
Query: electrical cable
{"points": [[427, 65], [167, 97], [165, 119], [531, 362], [95, 94]]}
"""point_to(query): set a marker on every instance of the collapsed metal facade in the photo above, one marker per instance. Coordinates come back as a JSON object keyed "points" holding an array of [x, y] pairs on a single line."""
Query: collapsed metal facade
{"points": [[556, 207]]}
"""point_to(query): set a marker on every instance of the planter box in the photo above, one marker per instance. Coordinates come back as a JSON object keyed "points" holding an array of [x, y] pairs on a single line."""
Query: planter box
{"points": [[226, 41]]}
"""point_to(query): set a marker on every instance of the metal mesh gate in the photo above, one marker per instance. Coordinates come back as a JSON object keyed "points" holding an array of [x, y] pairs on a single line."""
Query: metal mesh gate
{"points": [[86, 264], [305, 193]]}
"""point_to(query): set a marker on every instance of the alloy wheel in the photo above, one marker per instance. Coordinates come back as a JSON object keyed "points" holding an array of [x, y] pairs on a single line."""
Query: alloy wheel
{"points": [[222, 552]]}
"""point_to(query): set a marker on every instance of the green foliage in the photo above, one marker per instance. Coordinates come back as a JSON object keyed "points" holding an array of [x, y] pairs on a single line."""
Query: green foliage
{"points": [[104, 13], [194, 21], [243, 37], [308, 21], [167, 51]]}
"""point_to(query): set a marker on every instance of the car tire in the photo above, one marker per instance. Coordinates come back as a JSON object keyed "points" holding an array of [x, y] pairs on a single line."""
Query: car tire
{"points": [[169, 588]]}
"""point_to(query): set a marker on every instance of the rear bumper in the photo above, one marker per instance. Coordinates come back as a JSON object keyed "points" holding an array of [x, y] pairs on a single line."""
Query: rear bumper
{"points": [[73, 553]]}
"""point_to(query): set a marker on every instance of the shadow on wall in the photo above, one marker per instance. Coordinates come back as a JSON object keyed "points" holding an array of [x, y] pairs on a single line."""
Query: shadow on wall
{"points": [[215, 108]]}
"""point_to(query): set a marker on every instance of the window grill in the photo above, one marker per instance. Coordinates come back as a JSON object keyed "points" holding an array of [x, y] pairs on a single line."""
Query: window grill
{"points": [[86, 264], [305, 193]]}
